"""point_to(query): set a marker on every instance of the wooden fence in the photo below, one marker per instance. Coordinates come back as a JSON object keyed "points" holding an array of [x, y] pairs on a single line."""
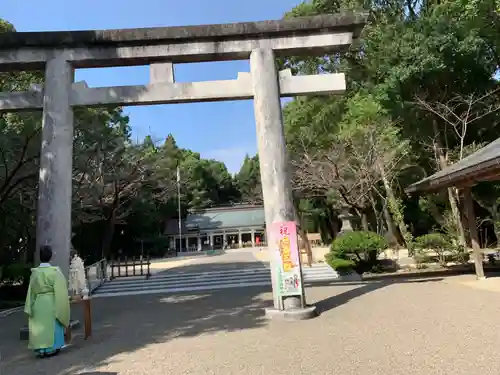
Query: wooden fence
{"points": [[126, 267]]}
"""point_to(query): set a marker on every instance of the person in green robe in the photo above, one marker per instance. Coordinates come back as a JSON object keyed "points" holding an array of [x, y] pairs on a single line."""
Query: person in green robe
{"points": [[47, 306]]}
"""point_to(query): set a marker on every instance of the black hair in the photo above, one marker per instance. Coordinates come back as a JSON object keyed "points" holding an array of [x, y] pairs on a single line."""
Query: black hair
{"points": [[45, 253]]}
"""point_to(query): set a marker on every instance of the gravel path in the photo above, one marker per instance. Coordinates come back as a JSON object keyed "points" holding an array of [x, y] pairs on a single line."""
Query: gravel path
{"points": [[418, 328]]}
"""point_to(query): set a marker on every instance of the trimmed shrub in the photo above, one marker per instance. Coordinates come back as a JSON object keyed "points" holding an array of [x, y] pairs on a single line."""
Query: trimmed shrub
{"points": [[338, 264], [437, 242], [356, 250], [432, 241], [444, 248]]}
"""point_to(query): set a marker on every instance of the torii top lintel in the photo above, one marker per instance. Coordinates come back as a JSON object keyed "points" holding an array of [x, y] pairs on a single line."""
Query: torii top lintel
{"points": [[180, 34], [94, 48]]}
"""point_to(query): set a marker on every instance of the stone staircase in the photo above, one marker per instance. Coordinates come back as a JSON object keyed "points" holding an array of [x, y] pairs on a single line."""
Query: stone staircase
{"points": [[178, 282]]}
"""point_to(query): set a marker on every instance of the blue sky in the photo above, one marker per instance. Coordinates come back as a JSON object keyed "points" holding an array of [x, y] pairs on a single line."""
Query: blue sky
{"points": [[223, 130]]}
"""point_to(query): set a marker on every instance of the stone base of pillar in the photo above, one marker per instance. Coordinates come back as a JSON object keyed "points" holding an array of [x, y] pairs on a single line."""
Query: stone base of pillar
{"points": [[24, 333], [308, 312]]}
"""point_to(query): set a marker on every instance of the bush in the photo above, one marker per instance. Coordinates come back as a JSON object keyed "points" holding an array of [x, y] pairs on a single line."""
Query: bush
{"points": [[432, 241], [363, 245], [437, 242], [459, 254], [15, 273], [356, 250], [14, 281], [422, 259], [338, 264]]}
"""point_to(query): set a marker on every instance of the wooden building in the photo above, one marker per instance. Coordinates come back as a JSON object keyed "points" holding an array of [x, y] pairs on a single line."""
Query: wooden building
{"points": [[482, 165], [225, 227]]}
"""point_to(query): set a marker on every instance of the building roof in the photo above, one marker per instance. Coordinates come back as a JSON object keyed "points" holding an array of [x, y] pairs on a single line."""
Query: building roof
{"points": [[483, 165], [241, 216], [180, 34], [219, 218]]}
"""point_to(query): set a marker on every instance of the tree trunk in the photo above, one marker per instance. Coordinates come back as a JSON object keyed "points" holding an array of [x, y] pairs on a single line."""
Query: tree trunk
{"points": [[393, 206], [434, 211], [379, 223], [456, 216], [364, 221], [452, 194], [495, 218], [328, 224], [108, 234], [302, 233], [332, 222], [307, 245], [391, 229]]}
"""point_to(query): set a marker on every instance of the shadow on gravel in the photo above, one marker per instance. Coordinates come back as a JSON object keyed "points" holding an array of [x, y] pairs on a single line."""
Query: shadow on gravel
{"points": [[364, 288], [124, 325]]}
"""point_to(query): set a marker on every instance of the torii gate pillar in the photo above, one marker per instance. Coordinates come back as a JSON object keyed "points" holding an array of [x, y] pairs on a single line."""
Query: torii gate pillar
{"points": [[56, 164], [275, 177]]}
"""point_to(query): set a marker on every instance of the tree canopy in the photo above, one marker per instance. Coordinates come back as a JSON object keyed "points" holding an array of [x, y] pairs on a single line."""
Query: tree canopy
{"points": [[422, 93]]}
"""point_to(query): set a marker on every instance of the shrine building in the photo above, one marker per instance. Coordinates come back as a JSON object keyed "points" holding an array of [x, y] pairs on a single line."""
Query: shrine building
{"points": [[224, 227]]}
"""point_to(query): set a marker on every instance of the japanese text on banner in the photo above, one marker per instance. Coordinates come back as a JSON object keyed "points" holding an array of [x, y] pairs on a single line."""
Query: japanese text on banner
{"points": [[288, 252]]}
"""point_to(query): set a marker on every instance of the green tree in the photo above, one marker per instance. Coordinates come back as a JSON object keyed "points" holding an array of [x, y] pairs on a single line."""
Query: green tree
{"points": [[371, 136], [248, 182], [424, 64]]}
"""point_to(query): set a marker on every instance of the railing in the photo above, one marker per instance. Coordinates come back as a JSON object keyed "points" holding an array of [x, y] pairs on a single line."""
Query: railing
{"points": [[96, 274], [130, 267]]}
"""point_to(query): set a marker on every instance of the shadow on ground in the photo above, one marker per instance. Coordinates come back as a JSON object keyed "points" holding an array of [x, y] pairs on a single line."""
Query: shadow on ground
{"points": [[123, 325], [362, 289]]}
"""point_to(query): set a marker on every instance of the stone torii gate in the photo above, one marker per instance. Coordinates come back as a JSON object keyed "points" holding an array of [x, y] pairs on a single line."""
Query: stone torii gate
{"points": [[59, 53]]}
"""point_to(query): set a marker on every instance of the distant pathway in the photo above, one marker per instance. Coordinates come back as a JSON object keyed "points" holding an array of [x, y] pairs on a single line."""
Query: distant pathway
{"points": [[234, 269]]}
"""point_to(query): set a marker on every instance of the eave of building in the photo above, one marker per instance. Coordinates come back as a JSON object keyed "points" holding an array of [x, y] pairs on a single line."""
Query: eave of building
{"points": [[483, 165]]}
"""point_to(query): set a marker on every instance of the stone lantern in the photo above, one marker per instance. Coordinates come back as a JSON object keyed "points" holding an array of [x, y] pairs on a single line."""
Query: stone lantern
{"points": [[345, 216]]}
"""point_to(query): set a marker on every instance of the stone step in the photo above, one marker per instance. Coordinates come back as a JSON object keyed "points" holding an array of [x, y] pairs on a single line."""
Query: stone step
{"points": [[176, 282]]}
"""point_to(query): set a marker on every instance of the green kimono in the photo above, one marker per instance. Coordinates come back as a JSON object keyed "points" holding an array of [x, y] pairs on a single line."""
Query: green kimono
{"points": [[47, 306]]}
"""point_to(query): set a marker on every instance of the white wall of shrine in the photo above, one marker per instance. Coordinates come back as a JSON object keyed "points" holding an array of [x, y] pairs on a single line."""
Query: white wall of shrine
{"points": [[219, 239]]}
